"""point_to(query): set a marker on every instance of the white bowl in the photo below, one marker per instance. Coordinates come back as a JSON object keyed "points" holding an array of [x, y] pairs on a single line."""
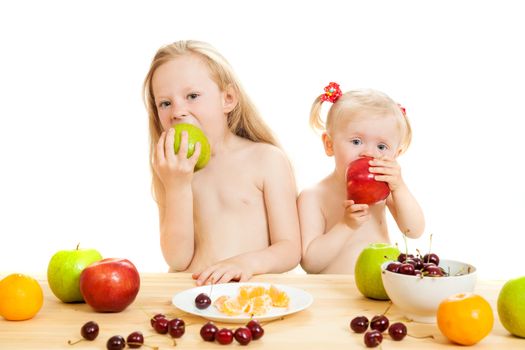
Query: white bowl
{"points": [[418, 298]]}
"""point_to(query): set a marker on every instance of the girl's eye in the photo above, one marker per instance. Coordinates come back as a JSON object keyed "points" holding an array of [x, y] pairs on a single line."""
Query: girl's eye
{"points": [[382, 147], [164, 104], [192, 96], [356, 142]]}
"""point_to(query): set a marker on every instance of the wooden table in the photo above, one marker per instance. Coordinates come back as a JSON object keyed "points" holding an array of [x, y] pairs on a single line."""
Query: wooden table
{"points": [[324, 325]]}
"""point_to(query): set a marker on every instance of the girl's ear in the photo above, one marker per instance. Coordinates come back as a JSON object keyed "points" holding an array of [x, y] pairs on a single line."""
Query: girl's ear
{"points": [[328, 144], [229, 99]]}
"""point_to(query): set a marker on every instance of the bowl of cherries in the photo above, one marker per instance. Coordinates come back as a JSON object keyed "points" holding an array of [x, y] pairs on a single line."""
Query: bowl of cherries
{"points": [[417, 284]]}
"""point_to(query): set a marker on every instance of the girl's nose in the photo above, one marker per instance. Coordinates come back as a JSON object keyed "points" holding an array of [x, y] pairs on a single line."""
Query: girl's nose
{"points": [[178, 113], [373, 153]]}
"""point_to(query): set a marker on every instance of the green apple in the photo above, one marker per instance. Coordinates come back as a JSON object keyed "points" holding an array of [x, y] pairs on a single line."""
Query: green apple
{"points": [[511, 306], [63, 272], [368, 269], [194, 135]]}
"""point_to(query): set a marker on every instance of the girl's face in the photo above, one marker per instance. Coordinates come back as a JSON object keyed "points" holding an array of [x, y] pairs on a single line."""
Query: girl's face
{"points": [[185, 93], [376, 136]]}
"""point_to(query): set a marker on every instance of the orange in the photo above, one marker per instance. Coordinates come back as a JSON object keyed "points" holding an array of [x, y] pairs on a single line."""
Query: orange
{"points": [[254, 300], [259, 305], [279, 298], [21, 297], [465, 318]]}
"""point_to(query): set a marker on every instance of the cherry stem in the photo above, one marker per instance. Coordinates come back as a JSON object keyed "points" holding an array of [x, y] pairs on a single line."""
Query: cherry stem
{"points": [[142, 344], [406, 243], [388, 308], [277, 319], [430, 245], [421, 337], [74, 342]]}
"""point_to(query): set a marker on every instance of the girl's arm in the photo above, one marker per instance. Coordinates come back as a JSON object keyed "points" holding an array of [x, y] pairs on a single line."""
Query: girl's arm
{"points": [[175, 200], [401, 203], [284, 251], [407, 212], [320, 248]]}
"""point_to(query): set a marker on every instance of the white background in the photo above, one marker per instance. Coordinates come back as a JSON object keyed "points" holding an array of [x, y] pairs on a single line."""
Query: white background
{"points": [[73, 128]]}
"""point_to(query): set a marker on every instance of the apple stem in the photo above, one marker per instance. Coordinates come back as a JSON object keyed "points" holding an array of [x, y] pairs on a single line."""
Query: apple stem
{"points": [[78, 245], [75, 342]]}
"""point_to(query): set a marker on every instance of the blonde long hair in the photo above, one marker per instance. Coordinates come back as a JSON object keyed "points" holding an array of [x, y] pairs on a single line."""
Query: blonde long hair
{"points": [[244, 120], [352, 103]]}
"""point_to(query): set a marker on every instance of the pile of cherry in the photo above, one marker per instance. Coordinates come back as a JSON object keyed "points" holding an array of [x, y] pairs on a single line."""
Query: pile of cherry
{"points": [[176, 328], [408, 264], [378, 325], [89, 331], [252, 331]]}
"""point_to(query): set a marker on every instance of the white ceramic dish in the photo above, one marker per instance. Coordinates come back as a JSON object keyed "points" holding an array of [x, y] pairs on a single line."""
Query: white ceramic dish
{"points": [[185, 301], [418, 298]]}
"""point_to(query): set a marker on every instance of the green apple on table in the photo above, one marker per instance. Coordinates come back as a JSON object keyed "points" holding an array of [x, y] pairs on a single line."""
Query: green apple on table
{"points": [[368, 269], [511, 306], [63, 272]]}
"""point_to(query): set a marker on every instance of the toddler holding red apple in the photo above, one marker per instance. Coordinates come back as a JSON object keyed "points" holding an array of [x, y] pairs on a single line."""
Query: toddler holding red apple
{"points": [[334, 228], [237, 216]]}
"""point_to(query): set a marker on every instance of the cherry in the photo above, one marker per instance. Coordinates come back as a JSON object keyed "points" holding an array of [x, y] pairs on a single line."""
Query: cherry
{"points": [[202, 301], [116, 342], [393, 266], [161, 325], [425, 265], [407, 269], [431, 258], [359, 324], [373, 338], [434, 271], [379, 323], [89, 330], [176, 327], [403, 257], [256, 329], [397, 331], [135, 340], [155, 318], [224, 336], [418, 263], [208, 331], [243, 335]]}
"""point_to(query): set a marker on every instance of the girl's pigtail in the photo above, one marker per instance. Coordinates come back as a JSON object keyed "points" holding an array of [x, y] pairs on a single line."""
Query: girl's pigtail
{"points": [[315, 115]]}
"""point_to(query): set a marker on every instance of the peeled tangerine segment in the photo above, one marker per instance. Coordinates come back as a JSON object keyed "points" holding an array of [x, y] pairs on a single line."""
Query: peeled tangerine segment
{"points": [[253, 300]]}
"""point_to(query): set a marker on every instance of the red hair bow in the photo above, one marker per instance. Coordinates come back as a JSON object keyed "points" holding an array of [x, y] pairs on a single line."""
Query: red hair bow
{"points": [[332, 92]]}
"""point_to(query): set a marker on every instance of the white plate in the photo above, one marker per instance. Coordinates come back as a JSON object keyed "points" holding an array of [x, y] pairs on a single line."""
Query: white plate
{"points": [[185, 301]]}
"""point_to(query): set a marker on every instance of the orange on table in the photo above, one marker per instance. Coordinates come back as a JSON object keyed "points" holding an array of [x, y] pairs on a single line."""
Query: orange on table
{"points": [[465, 318], [21, 297]]}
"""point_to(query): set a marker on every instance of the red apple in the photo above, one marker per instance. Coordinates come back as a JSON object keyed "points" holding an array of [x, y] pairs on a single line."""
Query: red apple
{"points": [[361, 186], [110, 285]]}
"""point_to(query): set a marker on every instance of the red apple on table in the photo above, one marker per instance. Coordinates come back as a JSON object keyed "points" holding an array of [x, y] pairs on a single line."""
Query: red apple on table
{"points": [[361, 186], [110, 285]]}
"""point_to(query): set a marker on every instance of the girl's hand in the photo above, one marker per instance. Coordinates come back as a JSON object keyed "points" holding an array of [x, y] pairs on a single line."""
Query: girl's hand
{"points": [[174, 168], [222, 272], [388, 171], [355, 214]]}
